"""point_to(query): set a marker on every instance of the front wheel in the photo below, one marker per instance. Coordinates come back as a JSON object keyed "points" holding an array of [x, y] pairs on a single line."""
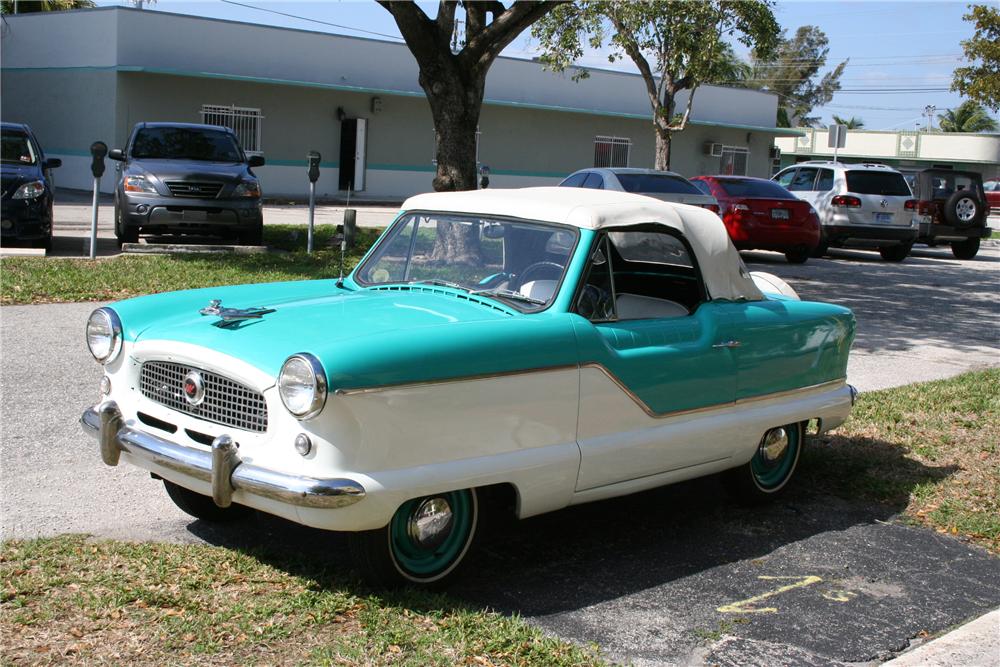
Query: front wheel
{"points": [[423, 545], [253, 236], [203, 507], [122, 233], [895, 253], [771, 467], [966, 249]]}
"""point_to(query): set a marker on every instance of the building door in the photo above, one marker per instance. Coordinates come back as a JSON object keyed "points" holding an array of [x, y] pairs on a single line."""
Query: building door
{"points": [[353, 147]]}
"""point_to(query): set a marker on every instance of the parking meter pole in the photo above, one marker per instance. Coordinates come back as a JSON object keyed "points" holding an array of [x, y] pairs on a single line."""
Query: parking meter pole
{"points": [[93, 219], [98, 151], [312, 214], [313, 158]]}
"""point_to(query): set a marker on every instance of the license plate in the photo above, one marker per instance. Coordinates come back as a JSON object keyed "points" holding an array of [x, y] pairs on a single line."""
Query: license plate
{"points": [[883, 217], [779, 213], [194, 216]]}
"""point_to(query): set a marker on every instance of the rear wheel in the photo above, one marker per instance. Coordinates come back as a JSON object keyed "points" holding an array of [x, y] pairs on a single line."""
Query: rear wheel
{"points": [[966, 249], [424, 543], [772, 465], [203, 507], [798, 255], [895, 253]]}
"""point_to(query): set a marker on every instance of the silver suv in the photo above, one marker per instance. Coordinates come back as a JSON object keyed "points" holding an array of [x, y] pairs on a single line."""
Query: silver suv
{"points": [[859, 205]]}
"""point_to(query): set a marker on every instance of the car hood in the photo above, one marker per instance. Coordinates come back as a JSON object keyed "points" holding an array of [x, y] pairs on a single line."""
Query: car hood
{"points": [[309, 316], [190, 170], [13, 174]]}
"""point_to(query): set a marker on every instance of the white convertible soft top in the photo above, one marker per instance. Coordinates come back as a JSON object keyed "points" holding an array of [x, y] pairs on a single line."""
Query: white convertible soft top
{"points": [[725, 275]]}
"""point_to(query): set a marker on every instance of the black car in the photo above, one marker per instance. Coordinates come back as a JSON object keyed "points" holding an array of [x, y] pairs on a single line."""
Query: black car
{"points": [[26, 209], [180, 178], [951, 208]]}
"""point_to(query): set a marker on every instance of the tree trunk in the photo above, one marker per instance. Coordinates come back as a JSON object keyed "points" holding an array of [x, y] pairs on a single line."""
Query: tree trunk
{"points": [[663, 136], [455, 106]]}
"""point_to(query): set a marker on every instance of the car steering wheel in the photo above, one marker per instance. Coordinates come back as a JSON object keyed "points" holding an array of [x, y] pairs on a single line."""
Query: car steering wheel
{"points": [[526, 275]]}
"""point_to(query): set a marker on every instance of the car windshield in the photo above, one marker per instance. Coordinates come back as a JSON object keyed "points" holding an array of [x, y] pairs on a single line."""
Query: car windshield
{"points": [[182, 143], [888, 183], [663, 183], [521, 263], [749, 188], [17, 149]]}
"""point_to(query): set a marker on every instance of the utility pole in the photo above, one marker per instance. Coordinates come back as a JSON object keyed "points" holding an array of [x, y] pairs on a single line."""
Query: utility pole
{"points": [[929, 111]]}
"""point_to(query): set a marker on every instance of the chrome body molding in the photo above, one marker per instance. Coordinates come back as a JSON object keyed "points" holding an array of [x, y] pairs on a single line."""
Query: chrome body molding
{"points": [[611, 376], [221, 467]]}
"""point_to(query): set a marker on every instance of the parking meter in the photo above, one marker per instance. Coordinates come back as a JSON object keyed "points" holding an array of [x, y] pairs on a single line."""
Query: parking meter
{"points": [[484, 171], [314, 159], [98, 151]]}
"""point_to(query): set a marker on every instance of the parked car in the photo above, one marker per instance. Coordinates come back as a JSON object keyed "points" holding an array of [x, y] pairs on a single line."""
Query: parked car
{"points": [[760, 214], [662, 185], [27, 187], [859, 205], [179, 178], [951, 208], [581, 345], [992, 189]]}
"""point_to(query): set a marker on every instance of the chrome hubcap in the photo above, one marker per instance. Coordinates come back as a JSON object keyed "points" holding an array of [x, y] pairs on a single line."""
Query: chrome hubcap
{"points": [[431, 523], [965, 209], [774, 445]]}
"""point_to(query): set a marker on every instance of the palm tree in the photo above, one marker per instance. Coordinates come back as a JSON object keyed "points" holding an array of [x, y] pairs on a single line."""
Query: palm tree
{"points": [[968, 117], [852, 123], [28, 6]]}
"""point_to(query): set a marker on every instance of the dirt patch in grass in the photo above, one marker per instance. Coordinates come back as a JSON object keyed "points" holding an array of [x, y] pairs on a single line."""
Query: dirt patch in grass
{"points": [[931, 448], [77, 601], [28, 280]]}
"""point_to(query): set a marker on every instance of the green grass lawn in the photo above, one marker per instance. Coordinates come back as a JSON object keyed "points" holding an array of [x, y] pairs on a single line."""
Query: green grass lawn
{"points": [[929, 449], [26, 280]]}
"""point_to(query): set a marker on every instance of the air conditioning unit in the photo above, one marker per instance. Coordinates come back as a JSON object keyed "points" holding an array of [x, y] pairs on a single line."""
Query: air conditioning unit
{"points": [[713, 149], [774, 153]]}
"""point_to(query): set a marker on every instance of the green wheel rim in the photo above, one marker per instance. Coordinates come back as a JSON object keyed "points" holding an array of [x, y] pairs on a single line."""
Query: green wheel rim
{"points": [[419, 562], [771, 475]]}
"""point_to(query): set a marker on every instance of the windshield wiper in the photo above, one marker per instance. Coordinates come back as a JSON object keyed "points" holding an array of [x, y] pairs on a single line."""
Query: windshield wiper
{"points": [[509, 294], [441, 283]]}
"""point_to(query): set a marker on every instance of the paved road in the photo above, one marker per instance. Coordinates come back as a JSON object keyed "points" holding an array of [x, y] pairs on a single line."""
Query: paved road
{"points": [[644, 576]]}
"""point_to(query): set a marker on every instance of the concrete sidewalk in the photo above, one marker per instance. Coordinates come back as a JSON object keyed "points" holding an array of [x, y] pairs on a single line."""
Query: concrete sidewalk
{"points": [[975, 644]]}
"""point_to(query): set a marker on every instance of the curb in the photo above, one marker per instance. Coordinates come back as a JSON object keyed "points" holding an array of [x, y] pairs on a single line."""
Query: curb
{"points": [[975, 644]]}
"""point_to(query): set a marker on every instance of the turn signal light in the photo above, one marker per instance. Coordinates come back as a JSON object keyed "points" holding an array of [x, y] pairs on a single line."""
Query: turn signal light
{"points": [[846, 201]]}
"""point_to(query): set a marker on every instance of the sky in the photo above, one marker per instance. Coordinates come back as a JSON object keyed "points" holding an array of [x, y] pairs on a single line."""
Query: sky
{"points": [[900, 54]]}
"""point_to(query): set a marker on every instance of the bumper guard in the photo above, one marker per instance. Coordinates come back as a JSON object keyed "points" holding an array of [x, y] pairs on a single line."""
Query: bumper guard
{"points": [[221, 467]]}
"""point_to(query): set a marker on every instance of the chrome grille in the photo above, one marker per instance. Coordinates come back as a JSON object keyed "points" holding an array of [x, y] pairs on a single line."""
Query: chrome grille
{"points": [[195, 189], [226, 402]]}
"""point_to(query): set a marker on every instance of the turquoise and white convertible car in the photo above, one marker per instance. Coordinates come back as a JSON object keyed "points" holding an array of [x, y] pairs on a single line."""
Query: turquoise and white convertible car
{"points": [[540, 348]]}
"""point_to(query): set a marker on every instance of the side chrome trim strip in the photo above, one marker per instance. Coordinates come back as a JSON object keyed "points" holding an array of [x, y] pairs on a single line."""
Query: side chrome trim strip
{"points": [[221, 467], [611, 376]]}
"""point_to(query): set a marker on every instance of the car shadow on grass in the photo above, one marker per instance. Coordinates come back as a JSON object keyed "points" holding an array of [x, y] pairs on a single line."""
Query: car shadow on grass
{"points": [[583, 555]]}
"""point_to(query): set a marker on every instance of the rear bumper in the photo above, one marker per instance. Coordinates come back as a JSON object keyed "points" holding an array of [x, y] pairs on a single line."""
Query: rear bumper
{"points": [[868, 235], [933, 232], [221, 467]]}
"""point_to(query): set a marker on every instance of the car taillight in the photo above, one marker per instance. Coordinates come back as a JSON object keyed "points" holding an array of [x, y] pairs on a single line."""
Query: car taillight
{"points": [[714, 208], [846, 201], [925, 207], [910, 205]]}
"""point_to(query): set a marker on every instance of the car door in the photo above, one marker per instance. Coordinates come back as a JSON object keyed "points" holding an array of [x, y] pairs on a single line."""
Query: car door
{"points": [[651, 348]]}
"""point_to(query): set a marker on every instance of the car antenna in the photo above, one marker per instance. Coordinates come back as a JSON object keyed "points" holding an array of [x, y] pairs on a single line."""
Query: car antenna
{"points": [[343, 239]]}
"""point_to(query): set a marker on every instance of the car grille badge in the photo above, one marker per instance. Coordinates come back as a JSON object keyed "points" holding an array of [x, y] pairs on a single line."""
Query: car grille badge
{"points": [[232, 317]]}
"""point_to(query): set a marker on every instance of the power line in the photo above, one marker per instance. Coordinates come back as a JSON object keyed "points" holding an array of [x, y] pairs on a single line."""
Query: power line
{"points": [[396, 38]]}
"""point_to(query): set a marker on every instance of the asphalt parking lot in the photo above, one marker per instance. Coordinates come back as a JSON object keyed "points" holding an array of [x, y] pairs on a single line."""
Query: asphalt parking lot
{"points": [[676, 575]]}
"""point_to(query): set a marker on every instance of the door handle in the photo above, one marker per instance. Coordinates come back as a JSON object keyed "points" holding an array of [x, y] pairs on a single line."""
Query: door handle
{"points": [[728, 343]]}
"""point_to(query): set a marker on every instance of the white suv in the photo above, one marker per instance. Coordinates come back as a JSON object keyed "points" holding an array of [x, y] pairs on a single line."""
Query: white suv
{"points": [[859, 205]]}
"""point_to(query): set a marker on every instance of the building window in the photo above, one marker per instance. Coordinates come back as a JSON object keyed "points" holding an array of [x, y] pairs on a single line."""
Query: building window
{"points": [[245, 122], [611, 151], [734, 161]]}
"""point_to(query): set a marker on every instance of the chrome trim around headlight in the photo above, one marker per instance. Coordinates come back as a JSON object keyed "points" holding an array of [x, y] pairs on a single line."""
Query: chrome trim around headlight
{"points": [[319, 385], [115, 325], [221, 467]]}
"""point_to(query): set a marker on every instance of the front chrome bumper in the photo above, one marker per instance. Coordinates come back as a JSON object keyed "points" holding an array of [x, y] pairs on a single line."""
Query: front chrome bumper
{"points": [[221, 467]]}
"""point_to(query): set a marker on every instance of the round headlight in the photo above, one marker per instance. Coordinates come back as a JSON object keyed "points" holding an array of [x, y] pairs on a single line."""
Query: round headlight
{"points": [[104, 334], [302, 385]]}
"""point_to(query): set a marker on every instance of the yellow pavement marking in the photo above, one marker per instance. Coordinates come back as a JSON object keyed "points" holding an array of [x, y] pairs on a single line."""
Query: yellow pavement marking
{"points": [[839, 596], [744, 606]]}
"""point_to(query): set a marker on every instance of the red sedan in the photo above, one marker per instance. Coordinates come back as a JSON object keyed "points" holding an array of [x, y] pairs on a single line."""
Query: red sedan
{"points": [[760, 214]]}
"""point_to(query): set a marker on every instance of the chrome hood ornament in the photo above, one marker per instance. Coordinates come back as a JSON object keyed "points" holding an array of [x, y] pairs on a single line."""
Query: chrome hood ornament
{"points": [[233, 316]]}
